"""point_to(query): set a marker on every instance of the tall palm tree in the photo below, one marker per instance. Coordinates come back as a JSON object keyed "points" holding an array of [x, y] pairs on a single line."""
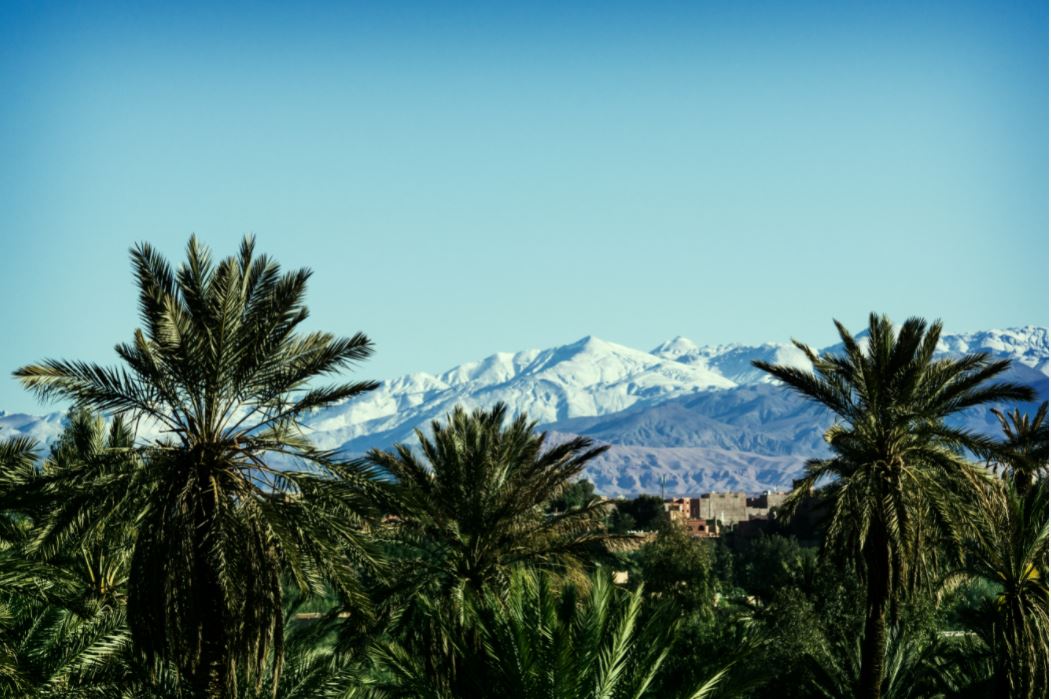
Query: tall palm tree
{"points": [[1008, 546], [897, 471], [1024, 452], [228, 495]]}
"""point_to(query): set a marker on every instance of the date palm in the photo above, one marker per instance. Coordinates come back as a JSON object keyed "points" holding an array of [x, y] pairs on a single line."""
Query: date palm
{"points": [[18, 460], [65, 522], [1009, 547], [21, 581], [897, 472], [1023, 454], [474, 506], [919, 663], [228, 495], [62, 601], [469, 507]]}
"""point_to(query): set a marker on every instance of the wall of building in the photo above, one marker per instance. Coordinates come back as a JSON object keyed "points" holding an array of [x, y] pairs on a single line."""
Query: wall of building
{"points": [[726, 508]]}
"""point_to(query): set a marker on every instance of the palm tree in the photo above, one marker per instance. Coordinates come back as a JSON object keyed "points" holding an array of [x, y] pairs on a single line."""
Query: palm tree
{"points": [[1024, 452], [19, 579], [66, 524], [71, 632], [18, 457], [63, 603], [897, 470], [469, 508], [1008, 546], [919, 663], [541, 637], [228, 494], [475, 506]]}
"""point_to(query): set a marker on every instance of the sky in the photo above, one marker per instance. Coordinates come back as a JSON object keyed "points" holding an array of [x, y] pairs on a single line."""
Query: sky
{"points": [[466, 178]]}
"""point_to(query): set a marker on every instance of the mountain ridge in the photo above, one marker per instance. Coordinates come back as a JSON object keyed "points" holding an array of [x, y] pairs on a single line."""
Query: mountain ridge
{"points": [[661, 411]]}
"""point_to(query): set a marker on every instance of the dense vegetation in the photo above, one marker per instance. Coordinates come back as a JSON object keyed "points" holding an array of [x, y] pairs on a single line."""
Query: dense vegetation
{"points": [[184, 538]]}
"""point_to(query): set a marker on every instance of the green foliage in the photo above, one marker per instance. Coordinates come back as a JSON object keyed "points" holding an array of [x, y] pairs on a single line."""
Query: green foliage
{"points": [[677, 569], [63, 630], [788, 625], [468, 510], [576, 495], [620, 522], [643, 513], [912, 661], [547, 638], [794, 634], [550, 642], [769, 564], [1023, 454]]}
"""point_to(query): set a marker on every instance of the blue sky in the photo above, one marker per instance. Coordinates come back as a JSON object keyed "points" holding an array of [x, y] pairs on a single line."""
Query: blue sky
{"points": [[465, 179]]}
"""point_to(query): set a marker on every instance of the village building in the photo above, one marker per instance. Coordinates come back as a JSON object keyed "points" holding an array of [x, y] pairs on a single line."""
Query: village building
{"points": [[703, 515]]}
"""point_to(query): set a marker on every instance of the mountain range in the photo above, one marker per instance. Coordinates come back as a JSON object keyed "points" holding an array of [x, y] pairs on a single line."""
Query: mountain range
{"points": [[681, 418]]}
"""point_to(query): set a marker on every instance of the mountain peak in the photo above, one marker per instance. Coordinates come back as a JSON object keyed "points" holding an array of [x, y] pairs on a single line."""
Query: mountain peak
{"points": [[592, 343], [675, 347]]}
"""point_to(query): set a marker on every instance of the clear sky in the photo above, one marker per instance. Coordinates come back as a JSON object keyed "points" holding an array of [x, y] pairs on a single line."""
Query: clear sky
{"points": [[465, 179]]}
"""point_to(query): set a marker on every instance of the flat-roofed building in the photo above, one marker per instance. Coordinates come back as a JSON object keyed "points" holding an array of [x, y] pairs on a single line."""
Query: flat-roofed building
{"points": [[726, 508]]}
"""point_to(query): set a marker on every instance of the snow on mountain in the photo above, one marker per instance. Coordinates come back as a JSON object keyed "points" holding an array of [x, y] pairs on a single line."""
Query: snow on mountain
{"points": [[677, 347], [43, 428], [701, 416], [587, 377], [732, 361], [1026, 346]]}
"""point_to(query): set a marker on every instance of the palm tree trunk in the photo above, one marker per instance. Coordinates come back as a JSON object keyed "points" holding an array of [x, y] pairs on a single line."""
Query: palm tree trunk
{"points": [[1022, 481], [874, 645], [209, 681]]}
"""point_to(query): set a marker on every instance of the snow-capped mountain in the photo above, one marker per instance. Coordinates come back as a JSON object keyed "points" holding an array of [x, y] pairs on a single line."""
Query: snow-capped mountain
{"points": [[43, 428], [585, 378], [701, 416]]}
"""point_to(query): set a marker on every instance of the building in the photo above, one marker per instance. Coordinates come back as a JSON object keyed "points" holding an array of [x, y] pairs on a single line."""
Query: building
{"points": [[727, 508], [703, 515], [759, 507], [678, 510], [702, 528]]}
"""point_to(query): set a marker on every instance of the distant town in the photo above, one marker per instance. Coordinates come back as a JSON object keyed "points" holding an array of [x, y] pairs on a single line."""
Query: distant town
{"points": [[710, 515]]}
